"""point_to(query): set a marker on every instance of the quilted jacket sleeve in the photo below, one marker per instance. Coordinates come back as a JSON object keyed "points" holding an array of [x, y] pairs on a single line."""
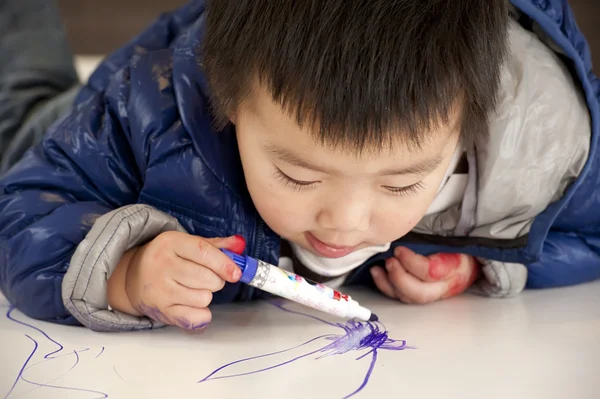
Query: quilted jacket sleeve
{"points": [[83, 168], [566, 259], [86, 166]]}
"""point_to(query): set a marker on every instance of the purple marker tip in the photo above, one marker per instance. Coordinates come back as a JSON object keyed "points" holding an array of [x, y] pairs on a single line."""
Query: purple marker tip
{"points": [[373, 317]]}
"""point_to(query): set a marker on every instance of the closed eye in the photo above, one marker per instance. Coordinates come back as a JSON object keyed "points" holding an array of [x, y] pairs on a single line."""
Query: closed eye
{"points": [[294, 183], [413, 189]]}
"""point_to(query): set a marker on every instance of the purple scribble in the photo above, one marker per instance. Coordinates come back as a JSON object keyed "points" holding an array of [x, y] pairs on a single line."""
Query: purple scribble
{"points": [[47, 357], [102, 395], [117, 373], [76, 353], [76, 360], [101, 352], [12, 388], [200, 326], [367, 376], [188, 325], [209, 377], [357, 336], [153, 313], [59, 356], [9, 316]]}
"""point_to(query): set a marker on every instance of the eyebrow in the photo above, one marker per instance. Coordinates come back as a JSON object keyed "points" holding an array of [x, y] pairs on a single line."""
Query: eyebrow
{"points": [[290, 158]]}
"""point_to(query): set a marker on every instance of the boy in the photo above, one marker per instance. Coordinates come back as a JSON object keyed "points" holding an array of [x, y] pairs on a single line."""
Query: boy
{"points": [[423, 146]]}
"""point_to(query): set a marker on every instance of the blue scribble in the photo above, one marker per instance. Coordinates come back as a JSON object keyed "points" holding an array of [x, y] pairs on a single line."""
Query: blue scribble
{"points": [[365, 337], [357, 336], [101, 352], [76, 353], [117, 373], [22, 367], [49, 356]]}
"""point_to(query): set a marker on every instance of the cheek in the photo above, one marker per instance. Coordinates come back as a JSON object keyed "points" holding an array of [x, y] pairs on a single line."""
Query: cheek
{"points": [[399, 217], [395, 227], [268, 199], [282, 209]]}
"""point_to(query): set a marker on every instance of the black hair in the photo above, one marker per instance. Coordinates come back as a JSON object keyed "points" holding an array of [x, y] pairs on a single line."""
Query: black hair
{"points": [[365, 71]]}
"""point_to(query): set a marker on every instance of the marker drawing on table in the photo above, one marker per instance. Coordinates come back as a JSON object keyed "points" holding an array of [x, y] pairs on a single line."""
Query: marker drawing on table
{"points": [[56, 354], [367, 337]]}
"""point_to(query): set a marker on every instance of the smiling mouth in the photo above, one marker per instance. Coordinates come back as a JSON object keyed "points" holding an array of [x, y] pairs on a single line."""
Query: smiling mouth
{"points": [[328, 250]]}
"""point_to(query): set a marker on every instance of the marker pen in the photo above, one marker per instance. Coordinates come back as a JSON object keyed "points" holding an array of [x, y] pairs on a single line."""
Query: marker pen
{"points": [[277, 281]]}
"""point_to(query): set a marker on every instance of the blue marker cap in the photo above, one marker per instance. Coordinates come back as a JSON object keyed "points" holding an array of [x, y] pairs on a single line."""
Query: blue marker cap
{"points": [[247, 264]]}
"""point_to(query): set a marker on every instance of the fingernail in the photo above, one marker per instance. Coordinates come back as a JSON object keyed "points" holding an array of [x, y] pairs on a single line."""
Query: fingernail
{"points": [[237, 273], [183, 323], [390, 264], [397, 251], [200, 326], [196, 329], [374, 272]]}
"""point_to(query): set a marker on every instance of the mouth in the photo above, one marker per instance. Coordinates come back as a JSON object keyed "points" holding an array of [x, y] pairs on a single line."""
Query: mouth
{"points": [[328, 250]]}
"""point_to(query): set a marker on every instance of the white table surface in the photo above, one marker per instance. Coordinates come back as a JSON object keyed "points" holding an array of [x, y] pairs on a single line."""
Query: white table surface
{"points": [[541, 344]]}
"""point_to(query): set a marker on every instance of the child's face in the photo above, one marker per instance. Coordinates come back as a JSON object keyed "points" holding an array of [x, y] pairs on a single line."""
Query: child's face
{"points": [[333, 202]]}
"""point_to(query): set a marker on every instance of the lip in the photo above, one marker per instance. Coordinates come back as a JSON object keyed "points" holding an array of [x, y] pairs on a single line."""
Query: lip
{"points": [[328, 250]]}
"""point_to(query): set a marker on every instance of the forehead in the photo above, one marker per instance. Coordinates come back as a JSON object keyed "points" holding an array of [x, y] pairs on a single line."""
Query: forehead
{"points": [[279, 128]]}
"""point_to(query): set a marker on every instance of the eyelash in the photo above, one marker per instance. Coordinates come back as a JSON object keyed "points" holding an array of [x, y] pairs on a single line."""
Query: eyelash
{"points": [[300, 185], [405, 191], [297, 185]]}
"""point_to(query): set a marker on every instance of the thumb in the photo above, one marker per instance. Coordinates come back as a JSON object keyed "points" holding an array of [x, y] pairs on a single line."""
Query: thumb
{"points": [[235, 243]]}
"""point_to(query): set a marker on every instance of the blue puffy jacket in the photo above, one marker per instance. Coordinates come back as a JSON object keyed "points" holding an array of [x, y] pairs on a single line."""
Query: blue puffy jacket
{"points": [[140, 132]]}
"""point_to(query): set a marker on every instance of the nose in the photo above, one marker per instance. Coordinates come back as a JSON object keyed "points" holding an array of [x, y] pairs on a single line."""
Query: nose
{"points": [[345, 213]]}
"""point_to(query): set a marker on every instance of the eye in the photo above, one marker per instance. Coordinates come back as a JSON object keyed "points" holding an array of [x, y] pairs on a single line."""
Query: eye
{"points": [[413, 189], [291, 182]]}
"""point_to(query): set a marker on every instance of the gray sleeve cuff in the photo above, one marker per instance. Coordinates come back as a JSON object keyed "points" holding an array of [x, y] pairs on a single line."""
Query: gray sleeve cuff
{"points": [[501, 279], [84, 287]]}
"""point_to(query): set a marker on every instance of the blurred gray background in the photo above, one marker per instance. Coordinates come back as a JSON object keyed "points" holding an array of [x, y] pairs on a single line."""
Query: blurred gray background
{"points": [[101, 26]]}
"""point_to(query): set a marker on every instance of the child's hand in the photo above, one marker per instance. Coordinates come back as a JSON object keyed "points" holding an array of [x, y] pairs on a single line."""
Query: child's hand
{"points": [[171, 279], [413, 278]]}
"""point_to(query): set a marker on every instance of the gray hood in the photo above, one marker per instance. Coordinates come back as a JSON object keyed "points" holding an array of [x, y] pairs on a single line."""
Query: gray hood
{"points": [[537, 145]]}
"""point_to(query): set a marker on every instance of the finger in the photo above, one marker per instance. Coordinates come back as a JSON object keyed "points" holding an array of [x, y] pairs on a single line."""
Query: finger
{"points": [[415, 264], [235, 243], [194, 276], [154, 313], [432, 268], [444, 265], [463, 278], [382, 282], [190, 318], [409, 286], [395, 294], [203, 253], [190, 297]]}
